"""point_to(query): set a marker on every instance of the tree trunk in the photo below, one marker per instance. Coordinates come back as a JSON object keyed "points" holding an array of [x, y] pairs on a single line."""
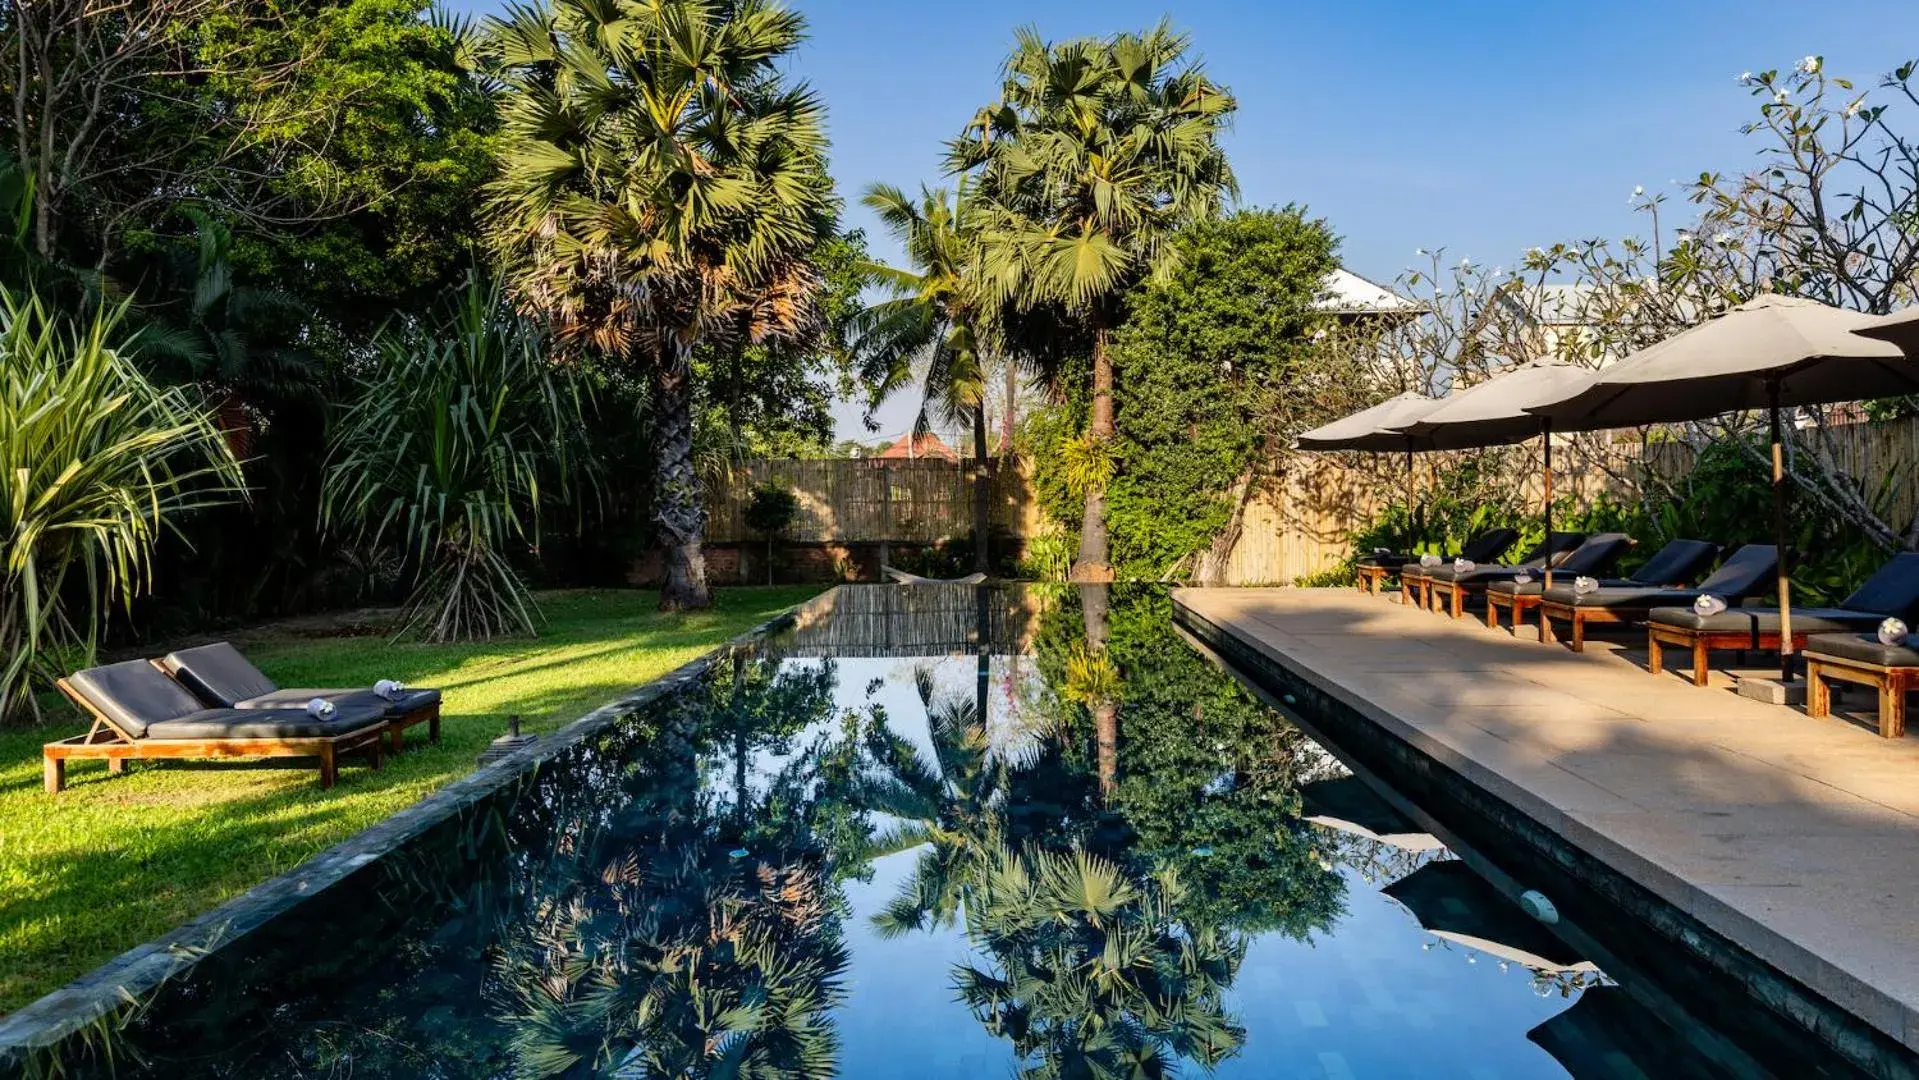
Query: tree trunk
{"points": [[1094, 606], [982, 492], [678, 508], [1093, 564]]}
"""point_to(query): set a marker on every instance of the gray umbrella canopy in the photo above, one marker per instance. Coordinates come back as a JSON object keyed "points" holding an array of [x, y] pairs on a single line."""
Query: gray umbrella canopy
{"points": [[1493, 413], [1900, 328], [1808, 351], [1374, 428], [1769, 353]]}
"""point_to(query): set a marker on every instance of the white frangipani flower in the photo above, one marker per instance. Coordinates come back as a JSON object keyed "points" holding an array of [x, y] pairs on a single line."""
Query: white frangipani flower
{"points": [[1745, 76], [1638, 190], [1779, 97], [1419, 253], [1853, 107], [1810, 65]]}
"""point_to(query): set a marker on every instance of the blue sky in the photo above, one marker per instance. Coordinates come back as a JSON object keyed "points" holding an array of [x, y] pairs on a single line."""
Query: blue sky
{"points": [[1483, 127]]}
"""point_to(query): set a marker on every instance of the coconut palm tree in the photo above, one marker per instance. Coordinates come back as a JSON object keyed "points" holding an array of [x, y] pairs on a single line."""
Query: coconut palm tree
{"points": [[1097, 151], [661, 185], [939, 317]]}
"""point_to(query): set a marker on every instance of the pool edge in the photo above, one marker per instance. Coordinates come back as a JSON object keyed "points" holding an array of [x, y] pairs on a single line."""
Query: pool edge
{"points": [[101, 998]]}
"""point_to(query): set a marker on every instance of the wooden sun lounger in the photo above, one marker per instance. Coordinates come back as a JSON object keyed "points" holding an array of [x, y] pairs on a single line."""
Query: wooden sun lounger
{"points": [[1862, 659], [1575, 554], [1744, 573], [108, 739], [221, 677], [1892, 590]]}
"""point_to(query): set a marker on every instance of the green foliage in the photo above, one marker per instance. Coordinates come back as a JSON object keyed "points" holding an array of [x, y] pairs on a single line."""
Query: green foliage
{"points": [[1209, 361], [770, 509], [96, 463], [446, 446]]}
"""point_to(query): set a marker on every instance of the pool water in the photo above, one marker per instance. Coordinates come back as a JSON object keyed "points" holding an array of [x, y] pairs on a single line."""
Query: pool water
{"points": [[884, 844]]}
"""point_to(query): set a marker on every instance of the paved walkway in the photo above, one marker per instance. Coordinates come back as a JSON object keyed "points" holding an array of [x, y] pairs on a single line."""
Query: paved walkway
{"points": [[1797, 838]]}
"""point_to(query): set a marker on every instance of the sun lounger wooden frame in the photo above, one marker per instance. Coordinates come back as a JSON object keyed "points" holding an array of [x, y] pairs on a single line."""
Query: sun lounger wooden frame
{"points": [[1521, 605], [1704, 642], [1892, 682], [1373, 577], [1577, 617], [108, 740]]}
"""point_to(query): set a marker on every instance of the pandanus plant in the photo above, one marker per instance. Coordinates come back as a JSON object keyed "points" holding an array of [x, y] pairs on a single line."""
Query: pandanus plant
{"points": [[449, 447], [95, 463]]}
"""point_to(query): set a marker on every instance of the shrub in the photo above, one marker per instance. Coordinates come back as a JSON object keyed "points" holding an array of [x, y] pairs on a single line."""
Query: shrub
{"points": [[770, 511]]}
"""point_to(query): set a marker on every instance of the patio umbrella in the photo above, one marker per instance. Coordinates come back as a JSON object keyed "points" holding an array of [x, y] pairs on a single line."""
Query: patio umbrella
{"points": [[1771, 353], [1375, 429], [1493, 413], [1608, 1035], [1452, 902], [1347, 805]]}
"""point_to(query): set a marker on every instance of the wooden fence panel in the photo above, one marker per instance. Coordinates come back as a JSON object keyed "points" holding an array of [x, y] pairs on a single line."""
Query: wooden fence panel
{"points": [[1298, 523]]}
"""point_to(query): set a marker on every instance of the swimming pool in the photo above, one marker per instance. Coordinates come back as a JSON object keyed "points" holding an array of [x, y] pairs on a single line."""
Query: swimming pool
{"points": [[886, 842]]}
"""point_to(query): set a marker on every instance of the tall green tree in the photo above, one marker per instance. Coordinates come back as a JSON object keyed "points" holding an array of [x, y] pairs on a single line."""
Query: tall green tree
{"points": [[1097, 152], [661, 185], [940, 320]]}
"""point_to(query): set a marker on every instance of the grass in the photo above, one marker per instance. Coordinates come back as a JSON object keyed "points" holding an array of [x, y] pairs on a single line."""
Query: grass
{"points": [[110, 863]]}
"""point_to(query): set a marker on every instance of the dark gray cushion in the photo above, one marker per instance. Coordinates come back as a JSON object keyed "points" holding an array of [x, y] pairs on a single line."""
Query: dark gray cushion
{"points": [[1562, 583], [1746, 572], [1864, 648], [1894, 590], [1490, 544], [1390, 562], [218, 674], [1675, 564], [1596, 556], [266, 724], [134, 695], [1757, 620], [1623, 597], [407, 702]]}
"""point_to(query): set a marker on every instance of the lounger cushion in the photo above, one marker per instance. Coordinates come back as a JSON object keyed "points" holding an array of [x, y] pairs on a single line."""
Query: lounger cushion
{"points": [[1756, 620], [1893, 590], [1622, 597], [1676, 563], [408, 701], [1747, 571], [1562, 583], [1862, 648], [218, 674], [134, 695], [264, 724], [1390, 562]]}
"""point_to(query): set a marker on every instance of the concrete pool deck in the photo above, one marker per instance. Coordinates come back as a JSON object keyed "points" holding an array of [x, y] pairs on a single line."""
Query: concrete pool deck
{"points": [[1797, 839]]}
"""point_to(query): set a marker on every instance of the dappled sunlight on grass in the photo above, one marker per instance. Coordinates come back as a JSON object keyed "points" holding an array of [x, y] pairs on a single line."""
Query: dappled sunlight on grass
{"points": [[112, 862]]}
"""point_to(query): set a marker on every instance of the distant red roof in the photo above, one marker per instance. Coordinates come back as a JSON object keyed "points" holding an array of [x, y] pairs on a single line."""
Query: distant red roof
{"points": [[921, 447]]}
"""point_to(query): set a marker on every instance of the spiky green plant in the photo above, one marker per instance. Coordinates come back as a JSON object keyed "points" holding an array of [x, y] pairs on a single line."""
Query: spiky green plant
{"points": [[95, 463], [1095, 154], [447, 448], [662, 184]]}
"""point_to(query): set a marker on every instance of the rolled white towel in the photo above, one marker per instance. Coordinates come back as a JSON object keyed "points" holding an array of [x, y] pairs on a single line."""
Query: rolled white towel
{"points": [[1429, 560], [1524, 577], [1583, 585], [1893, 632], [1382, 552], [1708, 605], [390, 689], [321, 709], [1464, 566]]}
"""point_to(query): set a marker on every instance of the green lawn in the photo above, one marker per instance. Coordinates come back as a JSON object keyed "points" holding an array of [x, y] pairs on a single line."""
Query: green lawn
{"points": [[110, 863]]}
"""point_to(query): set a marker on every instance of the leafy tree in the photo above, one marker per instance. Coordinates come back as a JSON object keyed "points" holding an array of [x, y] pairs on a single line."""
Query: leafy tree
{"points": [[95, 463], [446, 446], [771, 511], [1095, 154], [941, 319], [1220, 370], [661, 185]]}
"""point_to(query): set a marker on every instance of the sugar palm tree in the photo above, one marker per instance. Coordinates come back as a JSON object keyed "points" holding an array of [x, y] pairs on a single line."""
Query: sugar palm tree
{"points": [[1097, 151], [661, 185], [939, 317]]}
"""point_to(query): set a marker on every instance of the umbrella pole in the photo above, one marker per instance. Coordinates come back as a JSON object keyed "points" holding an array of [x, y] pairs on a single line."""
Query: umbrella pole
{"points": [[1546, 436], [1412, 494], [1779, 495]]}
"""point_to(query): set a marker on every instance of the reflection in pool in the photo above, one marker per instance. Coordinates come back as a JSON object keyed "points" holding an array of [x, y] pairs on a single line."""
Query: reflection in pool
{"points": [[894, 843]]}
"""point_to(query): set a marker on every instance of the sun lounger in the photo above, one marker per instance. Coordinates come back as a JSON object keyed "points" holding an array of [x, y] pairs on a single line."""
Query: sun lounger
{"points": [[1487, 546], [1893, 590], [140, 712], [1893, 670], [1594, 555], [1418, 581], [1672, 565], [222, 678], [1747, 572]]}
